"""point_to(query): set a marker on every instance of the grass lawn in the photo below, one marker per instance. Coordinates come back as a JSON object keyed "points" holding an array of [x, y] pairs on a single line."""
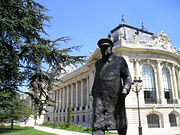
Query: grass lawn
{"points": [[22, 131]]}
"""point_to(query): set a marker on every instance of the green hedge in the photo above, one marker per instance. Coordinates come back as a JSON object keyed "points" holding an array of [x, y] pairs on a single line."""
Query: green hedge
{"points": [[75, 127], [63, 125], [47, 124]]}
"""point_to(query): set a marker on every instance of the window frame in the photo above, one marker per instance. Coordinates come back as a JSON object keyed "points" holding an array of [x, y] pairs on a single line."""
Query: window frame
{"points": [[149, 86], [155, 119]]}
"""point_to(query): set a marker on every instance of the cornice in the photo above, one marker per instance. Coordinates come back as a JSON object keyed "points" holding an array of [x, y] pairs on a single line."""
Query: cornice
{"points": [[146, 50], [73, 75]]}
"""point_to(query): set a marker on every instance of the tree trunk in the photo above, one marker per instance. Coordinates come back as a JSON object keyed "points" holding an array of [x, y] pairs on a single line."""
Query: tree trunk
{"points": [[11, 123]]}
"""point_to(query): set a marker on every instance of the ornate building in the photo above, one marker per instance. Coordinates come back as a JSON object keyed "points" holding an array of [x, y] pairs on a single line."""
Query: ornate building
{"points": [[149, 56]]}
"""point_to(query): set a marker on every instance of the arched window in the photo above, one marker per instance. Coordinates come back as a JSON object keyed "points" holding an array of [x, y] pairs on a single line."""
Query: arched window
{"points": [[172, 120], [153, 121], [149, 85], [167, 85]]}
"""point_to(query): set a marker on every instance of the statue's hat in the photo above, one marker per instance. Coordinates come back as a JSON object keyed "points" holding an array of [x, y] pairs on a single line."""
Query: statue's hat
{"points": [[105, 42]]}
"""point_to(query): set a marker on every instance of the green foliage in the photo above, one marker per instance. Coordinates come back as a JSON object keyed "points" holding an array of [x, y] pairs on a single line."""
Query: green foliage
{"points": [[75, 127], [26, 57], [63, 125], [79, 128], [59, 125], [46, 124], [16, 109]]}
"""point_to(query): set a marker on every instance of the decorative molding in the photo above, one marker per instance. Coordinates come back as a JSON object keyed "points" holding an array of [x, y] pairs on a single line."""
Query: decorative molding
{"points": [[160, 41]]}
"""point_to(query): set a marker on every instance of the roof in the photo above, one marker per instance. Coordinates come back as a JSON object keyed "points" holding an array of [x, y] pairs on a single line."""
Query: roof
{"points": [[125, 25]]}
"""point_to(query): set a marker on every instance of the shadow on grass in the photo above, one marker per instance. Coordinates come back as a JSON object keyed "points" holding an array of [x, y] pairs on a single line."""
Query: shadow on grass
{"points": [[7, 130]]}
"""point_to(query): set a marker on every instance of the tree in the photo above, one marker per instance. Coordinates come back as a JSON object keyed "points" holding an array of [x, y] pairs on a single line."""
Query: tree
{"points": [[16, 109], [24, 51], [69, 116]]}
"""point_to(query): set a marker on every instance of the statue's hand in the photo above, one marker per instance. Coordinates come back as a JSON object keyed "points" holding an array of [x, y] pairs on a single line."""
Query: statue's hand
{"points": [[124, 91]]}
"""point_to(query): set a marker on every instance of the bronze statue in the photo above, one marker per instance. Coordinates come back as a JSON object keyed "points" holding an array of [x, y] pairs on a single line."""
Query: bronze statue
{"points": [[112, 84]]}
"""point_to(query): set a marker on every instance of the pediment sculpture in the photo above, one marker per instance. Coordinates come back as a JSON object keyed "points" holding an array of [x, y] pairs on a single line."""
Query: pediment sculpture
{"points": [[161, 40]]}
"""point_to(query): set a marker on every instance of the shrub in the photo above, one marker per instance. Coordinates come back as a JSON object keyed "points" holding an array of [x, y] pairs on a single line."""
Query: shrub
{"points": [[61, 125], [80, 128], [47, 124], [76, 127], [88, 129], [64, 125]]}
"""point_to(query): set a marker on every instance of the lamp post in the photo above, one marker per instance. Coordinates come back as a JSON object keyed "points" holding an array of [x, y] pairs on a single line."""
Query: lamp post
{"points": [[137, 86]]}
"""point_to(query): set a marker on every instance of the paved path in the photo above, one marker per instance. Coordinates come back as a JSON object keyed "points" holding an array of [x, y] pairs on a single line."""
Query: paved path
{"points": [[132, 131]]}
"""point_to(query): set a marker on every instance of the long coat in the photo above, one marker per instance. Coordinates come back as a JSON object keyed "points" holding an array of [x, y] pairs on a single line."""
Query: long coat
{"points": [[111, 78]]}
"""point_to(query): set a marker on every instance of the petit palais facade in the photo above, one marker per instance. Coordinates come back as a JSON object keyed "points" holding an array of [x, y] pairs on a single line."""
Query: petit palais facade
{"points": [[149, 56]]}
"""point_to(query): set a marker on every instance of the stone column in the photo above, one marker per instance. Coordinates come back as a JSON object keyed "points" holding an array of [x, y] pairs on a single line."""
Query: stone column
{"points": [[87, 89], [137, 74], [160, 83], [67, 101], [178, 75], [63, 98], [82, 93], [156, 84], [60, 99], [76, 93], [174, 83], [137, 68], [71, 95]]}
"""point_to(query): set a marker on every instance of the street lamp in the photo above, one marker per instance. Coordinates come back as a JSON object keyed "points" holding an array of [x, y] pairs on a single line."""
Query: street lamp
{"points": [[137, 86]]}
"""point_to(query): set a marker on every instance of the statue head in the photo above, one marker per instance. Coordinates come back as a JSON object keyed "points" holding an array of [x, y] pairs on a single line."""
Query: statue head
{"points": [[105, 46]]}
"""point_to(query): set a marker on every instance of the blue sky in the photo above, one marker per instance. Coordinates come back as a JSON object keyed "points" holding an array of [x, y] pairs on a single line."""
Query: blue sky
{"points": [[86, 21]]}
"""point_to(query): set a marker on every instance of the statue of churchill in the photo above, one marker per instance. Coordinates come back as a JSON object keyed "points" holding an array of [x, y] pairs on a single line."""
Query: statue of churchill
{"points": [[112, 84]]}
